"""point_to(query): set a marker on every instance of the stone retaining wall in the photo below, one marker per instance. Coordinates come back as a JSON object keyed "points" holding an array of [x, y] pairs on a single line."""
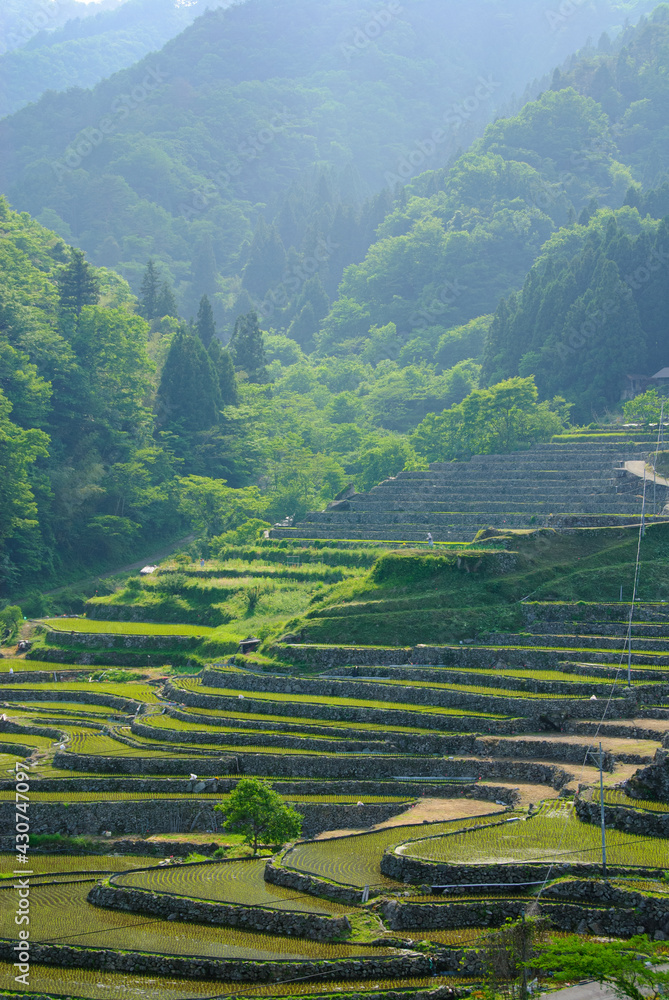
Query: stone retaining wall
{"points": [[126, 705], [322, 745], [528, 684], [412, 695], [182, 816], [652, 782], [350, 713], [287, 788], [470, 745], [402, 916], [420, 742], [644, 915], [7, 726], [289, 878], [41, 676], [418, 872], [371, 767], [114, 640], [648, 824], [239, 970], [97, 764], [250, 918], [116, 658], [326, 657]]}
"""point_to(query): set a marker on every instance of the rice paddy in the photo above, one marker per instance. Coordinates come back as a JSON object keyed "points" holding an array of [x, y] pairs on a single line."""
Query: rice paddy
{"points": [[617, 797], [554, 834], [238, 882], [296, 734], [58, 864], [90, 984], [61, 914], [355, 860]]}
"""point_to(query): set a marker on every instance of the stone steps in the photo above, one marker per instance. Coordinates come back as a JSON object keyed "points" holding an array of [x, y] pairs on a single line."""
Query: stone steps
{"points": [[561, 484], [417, 512]]}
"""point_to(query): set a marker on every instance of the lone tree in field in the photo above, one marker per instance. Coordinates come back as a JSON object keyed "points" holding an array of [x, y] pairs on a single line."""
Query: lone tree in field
{"points": [[259, 813]]}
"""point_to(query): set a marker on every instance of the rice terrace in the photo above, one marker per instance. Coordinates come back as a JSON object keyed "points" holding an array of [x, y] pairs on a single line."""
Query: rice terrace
{"points": [[334, 499], [451, 724]]}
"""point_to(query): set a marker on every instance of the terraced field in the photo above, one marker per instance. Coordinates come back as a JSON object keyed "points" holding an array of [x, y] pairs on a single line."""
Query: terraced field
{"points": [[101, 985], [63, 915], [552, 835], [353, 735], [355, 860], [229, 882]]}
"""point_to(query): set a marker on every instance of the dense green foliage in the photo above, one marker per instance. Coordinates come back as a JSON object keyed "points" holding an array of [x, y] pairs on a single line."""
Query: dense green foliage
{"points": [[500, 419], [631, 971], [123, 423], [60, 44], [457, 240], [259, 813], [372, 98]]}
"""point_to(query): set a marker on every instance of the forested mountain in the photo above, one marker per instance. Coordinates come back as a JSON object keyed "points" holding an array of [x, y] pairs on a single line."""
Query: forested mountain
{"points": [[21, 21], [527, 278], [117, 431], [461, 238], [91, 45], [281, 114]]}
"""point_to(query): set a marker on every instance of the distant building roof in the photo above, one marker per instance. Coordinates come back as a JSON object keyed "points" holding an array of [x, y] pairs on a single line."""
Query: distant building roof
{"points": [[663, 373]]}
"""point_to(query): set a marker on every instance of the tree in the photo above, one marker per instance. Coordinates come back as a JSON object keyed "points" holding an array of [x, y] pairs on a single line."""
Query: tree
{"points": [[10, 620], [188, 394], [166, 303], [646, 408], [247, 349], [204, 271], [205, 324], [225, 369], [19, 526], [78, 285], [629, 969], [500, 419], [267, 260], [212, 507], [148, 292], [259, 813]]}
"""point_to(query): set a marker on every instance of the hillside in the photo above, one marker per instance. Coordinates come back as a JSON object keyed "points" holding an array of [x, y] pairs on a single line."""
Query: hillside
{"points": [[458, 240], [87, 48], [21, 21], [450, 597], [320, 105]]}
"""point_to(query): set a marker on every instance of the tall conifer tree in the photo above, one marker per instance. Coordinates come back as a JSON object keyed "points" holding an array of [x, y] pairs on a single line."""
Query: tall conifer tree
{"points": [[247, 348], [225, 369], [205, 323], [148, 293], [188, 395], [78, 285]]}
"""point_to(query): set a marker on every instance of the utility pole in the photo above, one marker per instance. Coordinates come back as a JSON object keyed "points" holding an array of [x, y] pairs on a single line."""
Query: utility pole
{"points": [[629, 652], [643, 505], [602, 815], [601, 809], [523, 974]]}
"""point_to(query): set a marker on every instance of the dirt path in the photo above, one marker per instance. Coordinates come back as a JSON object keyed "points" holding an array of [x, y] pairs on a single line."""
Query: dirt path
{"points": [[428, 811]]}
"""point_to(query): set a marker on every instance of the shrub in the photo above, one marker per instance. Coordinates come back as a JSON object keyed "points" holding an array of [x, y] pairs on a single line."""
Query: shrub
{"points": [[10, 620]]}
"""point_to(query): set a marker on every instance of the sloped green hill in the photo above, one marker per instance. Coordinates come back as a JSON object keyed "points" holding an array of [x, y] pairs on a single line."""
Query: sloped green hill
{"points": [[459, 239], [177, 156], [89, 46]]}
